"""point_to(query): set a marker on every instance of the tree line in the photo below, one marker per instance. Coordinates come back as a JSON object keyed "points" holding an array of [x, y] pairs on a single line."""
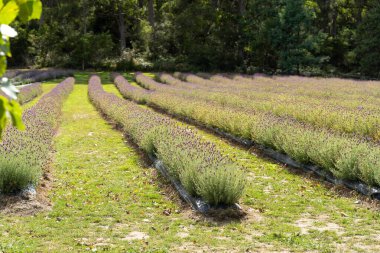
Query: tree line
{"points": [[338, 37]]}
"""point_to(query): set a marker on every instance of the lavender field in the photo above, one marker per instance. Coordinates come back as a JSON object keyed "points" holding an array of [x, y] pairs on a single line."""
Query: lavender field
{"points": [[161, 126], [331, 123], [179, 162]]}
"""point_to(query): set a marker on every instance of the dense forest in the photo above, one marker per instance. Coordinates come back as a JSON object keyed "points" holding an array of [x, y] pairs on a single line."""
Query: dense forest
{"points": [[328, 37]]}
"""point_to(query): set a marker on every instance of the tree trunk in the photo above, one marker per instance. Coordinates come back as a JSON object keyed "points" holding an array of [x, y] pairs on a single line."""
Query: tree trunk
{"points": [[325, 15], [85, 19], [141, 3], [242, 7], [360, 4], [334, 25], [122, 30], [241, 12], [215, 3], [151, 12], [42, 20]]}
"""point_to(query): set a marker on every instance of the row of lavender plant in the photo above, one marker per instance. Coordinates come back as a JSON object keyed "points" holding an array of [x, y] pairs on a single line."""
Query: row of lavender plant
{"points": [[340, 119], [364, 122], [296, 85], [131, 92], [23, 154], [335, 87], [41, 75], [338, 94], [355, 96], [197, 164], [29, 92], [346, 157]]}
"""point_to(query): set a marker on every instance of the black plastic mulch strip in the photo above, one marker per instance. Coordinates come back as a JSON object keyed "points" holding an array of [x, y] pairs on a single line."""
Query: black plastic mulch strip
{"points": [[196, 203]]}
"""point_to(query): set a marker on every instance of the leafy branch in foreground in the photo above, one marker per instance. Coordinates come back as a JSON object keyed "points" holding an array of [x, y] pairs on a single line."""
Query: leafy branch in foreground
{"points": [[25, 10]]}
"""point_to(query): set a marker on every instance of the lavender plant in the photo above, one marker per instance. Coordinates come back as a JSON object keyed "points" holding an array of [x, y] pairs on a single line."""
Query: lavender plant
{"points": [[169, 79], [129, 91], [23, 154], [197, 164], [346, 116], [29, 92], [345, 156], [31, 76]]}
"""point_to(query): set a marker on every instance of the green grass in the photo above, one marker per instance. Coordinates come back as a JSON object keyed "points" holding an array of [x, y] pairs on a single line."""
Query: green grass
{"points": [[103, 192]]}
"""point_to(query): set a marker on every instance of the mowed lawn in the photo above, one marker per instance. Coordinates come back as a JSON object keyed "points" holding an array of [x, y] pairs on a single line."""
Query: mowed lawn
{"points": [[106, 198]]}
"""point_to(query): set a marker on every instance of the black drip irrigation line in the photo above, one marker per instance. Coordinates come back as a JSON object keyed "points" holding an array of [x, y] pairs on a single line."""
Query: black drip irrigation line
{"points": [[365, 189], [197, 204]]}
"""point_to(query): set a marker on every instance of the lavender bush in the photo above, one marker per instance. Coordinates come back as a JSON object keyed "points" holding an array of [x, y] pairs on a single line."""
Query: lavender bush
{"points": [[32, 76], [345, 156], [197, 164], [348, 114], [169, 79], [147, 82], [127, 90], [29, 92], [23, 154]]}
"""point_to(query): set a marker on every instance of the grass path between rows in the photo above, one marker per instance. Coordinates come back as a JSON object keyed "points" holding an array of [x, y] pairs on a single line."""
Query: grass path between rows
{"points": [[105, 198]]}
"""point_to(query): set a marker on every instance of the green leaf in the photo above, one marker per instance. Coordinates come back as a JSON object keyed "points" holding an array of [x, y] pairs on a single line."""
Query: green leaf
{"points": [[30, 10], [8, 88], [9, 12], [3, 115], [5, 47], [15, 111], [37, 10], [3, 64]]}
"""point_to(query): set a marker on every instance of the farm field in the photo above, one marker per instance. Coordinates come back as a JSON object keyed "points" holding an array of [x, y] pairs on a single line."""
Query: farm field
{"points": [[103, 194], [346, 154], [189, 126]]}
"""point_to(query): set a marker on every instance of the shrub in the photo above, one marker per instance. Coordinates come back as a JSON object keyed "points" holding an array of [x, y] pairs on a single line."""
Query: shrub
{"points": [[346, 156], [37, 75], [16, 174], [23, 154], [188, 158], [29, 92]]}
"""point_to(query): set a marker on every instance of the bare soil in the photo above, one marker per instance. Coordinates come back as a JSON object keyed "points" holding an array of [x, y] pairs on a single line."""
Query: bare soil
{"points": [[19, 205]]}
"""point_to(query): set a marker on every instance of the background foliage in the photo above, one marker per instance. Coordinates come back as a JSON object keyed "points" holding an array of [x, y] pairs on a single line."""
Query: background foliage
{"points": [[273, 36]]}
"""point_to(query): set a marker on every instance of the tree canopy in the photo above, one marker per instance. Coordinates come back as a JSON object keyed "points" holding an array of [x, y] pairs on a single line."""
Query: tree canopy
{"points": [[274, 36]]}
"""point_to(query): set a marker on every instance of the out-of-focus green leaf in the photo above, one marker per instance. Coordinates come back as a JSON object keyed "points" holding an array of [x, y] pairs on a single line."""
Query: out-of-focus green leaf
{"points": [[30, 10], [3, 114], [5, 47], [15, 111], [12, 110], [3, 64], [9, 12], [9, 89], [7, 31]]}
